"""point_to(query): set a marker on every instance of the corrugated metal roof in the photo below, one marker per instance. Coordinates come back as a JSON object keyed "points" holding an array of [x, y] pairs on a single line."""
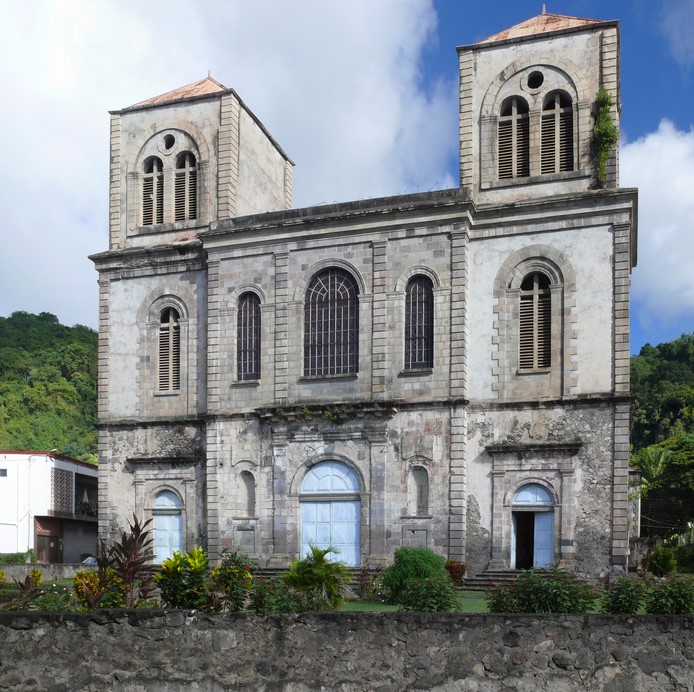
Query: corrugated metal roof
{"points": [[541, 24], [196, 89]]}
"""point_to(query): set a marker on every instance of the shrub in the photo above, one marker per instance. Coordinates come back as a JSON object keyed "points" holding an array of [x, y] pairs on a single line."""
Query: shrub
{"points": [[323, 582], [37, 577], [457, 570], [671, 596], [2, 575], [430, 595], [410, 564], [685, 558], [276, 596], [17, 558], [624, 596], [55, 598], [370, 584], [543, 591], [234, 579], [661, 561], [102, 589], [183, 581]]}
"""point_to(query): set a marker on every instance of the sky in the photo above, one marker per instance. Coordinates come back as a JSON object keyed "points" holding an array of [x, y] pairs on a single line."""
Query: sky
{"points": [[362, 95]]}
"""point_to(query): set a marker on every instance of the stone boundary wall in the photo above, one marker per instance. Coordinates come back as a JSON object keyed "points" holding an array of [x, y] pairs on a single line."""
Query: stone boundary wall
{"points": [[182, 650]]}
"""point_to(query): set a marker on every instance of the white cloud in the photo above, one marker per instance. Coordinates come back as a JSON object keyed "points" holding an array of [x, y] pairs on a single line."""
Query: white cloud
{"points": [[678, 20], [661, 165], [338, 85]]}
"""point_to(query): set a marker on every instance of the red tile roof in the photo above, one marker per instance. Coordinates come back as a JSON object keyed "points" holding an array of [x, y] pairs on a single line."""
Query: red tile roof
{"points": [[541, 24], [196, 89]]}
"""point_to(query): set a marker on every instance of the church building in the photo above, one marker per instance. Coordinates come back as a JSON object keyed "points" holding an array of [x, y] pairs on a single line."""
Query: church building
{"points": [[446, 369]]}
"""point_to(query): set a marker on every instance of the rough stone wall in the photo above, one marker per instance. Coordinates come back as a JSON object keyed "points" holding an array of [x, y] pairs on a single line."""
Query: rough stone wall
{"points": [[155, 650]]}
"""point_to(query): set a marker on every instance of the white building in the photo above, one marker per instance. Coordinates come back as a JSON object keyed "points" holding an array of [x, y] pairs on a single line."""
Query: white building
{"points": [[48, 503]]}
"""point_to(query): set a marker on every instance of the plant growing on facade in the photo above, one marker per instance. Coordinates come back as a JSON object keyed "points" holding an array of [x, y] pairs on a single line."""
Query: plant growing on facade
{"points": [[605, 133]]}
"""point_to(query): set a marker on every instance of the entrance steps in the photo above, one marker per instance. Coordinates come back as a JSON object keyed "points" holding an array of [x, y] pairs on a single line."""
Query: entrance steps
{"points": [[490, 578]]}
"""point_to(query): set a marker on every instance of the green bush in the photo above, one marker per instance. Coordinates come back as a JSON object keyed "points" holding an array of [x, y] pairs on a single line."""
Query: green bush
{"points": [[623, 597], [53, 597], [323, 582], [430, 595], [410, 564], [233, 577], [17, 558], [685, 558], [661, 561], [276, 596], [183, 581], [543, 591], [673, 595]]}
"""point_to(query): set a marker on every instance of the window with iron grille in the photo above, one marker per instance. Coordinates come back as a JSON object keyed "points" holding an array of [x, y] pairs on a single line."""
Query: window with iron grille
{"points": [[186, 187], [514, 139], [248, 338], [557, 150], [419, 323], [535, 328], [331, 325], [153, 192], [169, 351]]}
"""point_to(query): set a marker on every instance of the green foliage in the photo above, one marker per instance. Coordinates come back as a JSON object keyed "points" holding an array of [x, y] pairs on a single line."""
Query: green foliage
{"points": [[605, 133], [623, 597], [233, 577], [430, 595], [54, 597], [276, 596], [323, 582], [102, 589], [369, 584], [543, 591], [661, 561], [671, 596], [183, 581], [410, 564], [37, 577], [48, 375], [2, 575], [17, 558], [685, 558], [457, 570]]}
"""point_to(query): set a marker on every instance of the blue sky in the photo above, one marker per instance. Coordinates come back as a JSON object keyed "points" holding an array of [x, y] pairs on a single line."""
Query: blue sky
{"points": [[362, 95]]}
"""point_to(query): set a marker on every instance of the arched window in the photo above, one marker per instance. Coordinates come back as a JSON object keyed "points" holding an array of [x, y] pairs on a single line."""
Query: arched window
{"points": [[535, 328], [168, 525], [331, 325], [169, 351], [248, 493], [514, 139], [186, 187], [418, 492], [557, 134], [153, 192], [419, 323], [248, 337]]}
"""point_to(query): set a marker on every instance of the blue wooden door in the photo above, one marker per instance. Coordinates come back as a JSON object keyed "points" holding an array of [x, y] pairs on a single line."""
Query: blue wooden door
{"points": [[543, 556]]}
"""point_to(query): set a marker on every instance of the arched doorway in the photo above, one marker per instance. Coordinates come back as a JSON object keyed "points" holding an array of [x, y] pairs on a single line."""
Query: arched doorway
{"points": [[168, 525], [532, 539], [331, 510]]}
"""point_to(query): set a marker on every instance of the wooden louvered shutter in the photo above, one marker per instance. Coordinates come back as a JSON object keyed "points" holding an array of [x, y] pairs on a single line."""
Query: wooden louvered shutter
{"points": [[514, 139], [185, 188], [153, 192], [535, 323], [557, 146], [566, 140], [148, 201], [169, 351], [548, 156], [505, 149]]}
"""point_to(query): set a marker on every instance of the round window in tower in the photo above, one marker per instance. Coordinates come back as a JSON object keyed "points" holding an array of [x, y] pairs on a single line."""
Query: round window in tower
{"points": [[169, 141], [535, 79]]}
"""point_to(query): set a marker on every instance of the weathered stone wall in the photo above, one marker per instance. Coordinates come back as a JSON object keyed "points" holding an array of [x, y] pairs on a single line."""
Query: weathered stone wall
{"points": [[156, 650]]}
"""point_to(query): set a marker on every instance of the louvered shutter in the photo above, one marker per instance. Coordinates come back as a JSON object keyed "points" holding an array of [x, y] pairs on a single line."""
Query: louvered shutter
{"points": [[505, 149], [164, 357], [535, 323], [185, 188], [566, 140], [148, 201]]}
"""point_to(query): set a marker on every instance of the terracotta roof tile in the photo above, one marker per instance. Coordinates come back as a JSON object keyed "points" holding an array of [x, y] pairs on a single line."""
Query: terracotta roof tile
{"points": [[541, 24], [202, 88]]}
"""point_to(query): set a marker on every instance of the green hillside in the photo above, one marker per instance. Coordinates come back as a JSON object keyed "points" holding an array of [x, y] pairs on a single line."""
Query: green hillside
{"points": [[47, 386]]}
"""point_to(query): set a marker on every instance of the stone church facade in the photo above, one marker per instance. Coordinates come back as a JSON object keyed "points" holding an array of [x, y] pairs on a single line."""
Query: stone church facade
{"points": [[446, 369]]}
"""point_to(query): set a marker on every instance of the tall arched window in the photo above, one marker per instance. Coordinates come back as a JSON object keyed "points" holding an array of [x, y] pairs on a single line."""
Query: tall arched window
{"points": [[535, 328], [153, 192], [514, 139], [248, 337], [557, 134], [419, 323], [186, 187], [169, 351], [168, 525], [331, 325]]}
